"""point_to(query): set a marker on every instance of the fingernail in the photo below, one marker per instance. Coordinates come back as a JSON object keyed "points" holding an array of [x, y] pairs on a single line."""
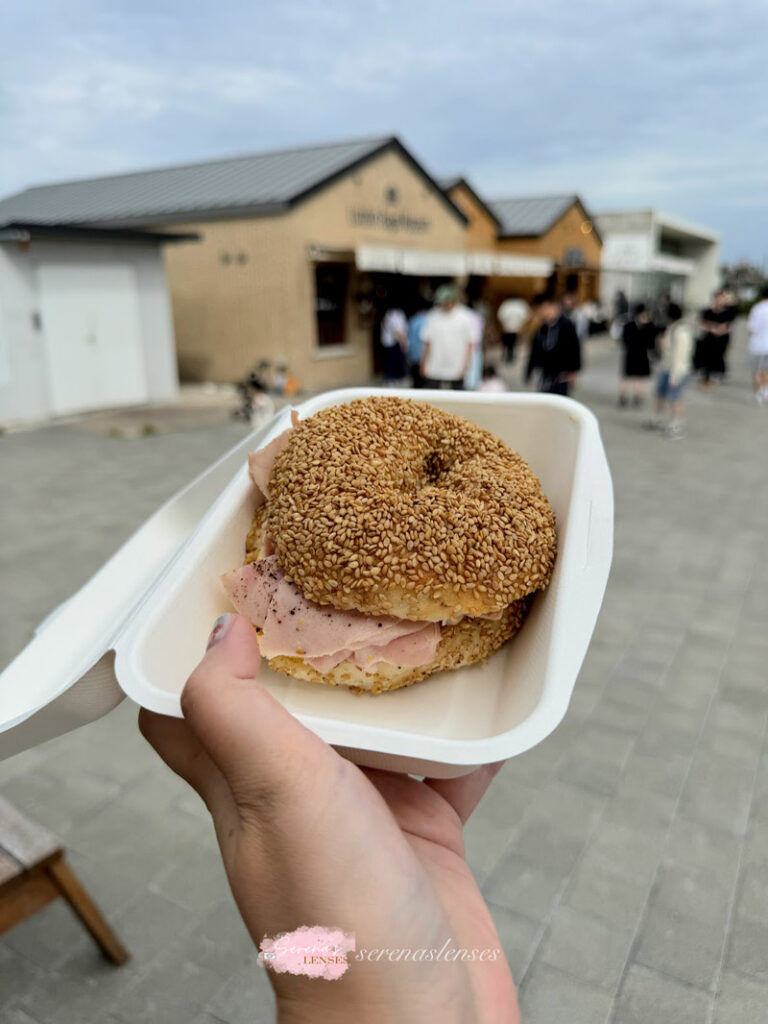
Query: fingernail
{"points": [[220, 627]]}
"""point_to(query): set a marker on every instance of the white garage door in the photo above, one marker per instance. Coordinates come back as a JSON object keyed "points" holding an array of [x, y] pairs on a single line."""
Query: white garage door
{"points": [[92, 330]]}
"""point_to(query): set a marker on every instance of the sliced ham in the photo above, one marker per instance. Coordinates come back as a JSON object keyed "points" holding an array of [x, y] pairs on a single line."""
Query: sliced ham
{"points": [[293, 626], [261, 462], [408, 651], [252, 587]]}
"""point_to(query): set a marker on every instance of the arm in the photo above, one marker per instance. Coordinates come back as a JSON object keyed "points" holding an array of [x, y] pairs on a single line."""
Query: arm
{"points": [[533, 358], [682, 343], [302, 846], [424, 355]]}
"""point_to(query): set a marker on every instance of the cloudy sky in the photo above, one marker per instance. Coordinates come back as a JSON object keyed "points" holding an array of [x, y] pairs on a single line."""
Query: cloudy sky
{"points": [[663, 103]]}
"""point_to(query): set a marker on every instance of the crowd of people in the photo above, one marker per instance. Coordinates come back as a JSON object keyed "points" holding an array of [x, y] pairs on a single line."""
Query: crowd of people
{"points": [[454, 345], [449, 344], [681, 348]]}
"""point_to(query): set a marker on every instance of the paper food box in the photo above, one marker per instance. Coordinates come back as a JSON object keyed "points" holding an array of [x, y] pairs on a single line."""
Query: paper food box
{"points": [[139, 626]]}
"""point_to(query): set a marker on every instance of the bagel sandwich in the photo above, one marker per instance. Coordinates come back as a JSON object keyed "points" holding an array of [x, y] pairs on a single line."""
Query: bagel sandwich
{"points": [[390, 540]]}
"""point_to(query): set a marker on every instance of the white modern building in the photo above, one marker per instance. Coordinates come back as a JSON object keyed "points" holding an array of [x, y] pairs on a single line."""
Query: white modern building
{"points": [[85, 320], [647, 254]]}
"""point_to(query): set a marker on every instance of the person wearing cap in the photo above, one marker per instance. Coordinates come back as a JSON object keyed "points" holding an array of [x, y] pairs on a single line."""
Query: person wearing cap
{"points": [[447, 340]]}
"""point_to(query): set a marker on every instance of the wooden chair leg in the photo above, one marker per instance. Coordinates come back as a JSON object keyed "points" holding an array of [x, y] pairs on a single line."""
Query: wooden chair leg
{"points": [[73, 892]]}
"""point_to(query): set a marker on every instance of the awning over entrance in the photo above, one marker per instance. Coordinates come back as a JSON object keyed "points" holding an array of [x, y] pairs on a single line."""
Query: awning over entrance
{"points": [[444, 263]]}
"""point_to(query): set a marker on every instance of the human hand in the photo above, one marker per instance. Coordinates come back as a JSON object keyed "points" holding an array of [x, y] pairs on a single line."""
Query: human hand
{"points": [[308, 838]]}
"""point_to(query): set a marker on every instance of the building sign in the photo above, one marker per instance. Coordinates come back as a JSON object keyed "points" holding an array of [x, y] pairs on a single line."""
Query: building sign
{"points": [[389, 220]]}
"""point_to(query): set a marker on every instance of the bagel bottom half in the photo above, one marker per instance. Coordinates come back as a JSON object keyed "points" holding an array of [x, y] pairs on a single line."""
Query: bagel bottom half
{"points": [[465, 643]]}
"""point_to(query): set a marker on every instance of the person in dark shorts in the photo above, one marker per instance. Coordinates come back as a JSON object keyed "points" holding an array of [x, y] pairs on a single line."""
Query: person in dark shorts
{"points": [[555, 349], [639, 341]]}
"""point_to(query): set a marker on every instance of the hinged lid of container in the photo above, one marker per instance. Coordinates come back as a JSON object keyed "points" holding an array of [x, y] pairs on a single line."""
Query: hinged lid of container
{"points": [[64, 677]]}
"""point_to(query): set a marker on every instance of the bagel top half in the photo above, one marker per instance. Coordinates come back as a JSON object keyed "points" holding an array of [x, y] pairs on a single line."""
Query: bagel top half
{"points": [[390, 506]]}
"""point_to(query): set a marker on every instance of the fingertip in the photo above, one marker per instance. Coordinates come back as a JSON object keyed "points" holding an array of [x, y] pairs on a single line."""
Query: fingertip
{"points": [[232, 653]]}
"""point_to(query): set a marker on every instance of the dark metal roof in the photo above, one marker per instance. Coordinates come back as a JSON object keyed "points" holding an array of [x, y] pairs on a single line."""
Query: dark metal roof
{"points": [[23, 231], [247, 185], [527, 216]]}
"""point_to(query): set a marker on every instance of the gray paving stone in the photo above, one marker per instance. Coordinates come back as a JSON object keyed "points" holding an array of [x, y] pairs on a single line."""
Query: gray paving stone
{"points": [[618, 714], [487, 834], [14, 1014], [678, 945], [647, 997], [641, 810], [598, 890], [587, 947], [755, 849], [551, 997], [246, 998], [753, 898], [59, 801], [740, 1000], [197, 882], [519, 937], [695, 893], [645, 774], [524, 886], [152, 925], [748, 948], [172, 991], [17, 974], [760, 798], [718, 791], [485, 840], [690, 844], [635, 855], [221, 941], [590, 773], [669, 731], [49, 937]]}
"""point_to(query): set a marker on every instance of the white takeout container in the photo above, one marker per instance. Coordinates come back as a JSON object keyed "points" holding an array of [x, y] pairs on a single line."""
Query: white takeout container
{"points": [[158, 621]]}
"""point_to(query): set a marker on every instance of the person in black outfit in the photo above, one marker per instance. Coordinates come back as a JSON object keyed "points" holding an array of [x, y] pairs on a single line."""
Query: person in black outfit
{"points": [[555, 349], [712, 345], [639, 340]]}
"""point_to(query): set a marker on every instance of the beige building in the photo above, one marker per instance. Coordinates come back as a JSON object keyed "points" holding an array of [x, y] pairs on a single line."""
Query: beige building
{"points": [[309, 283], [557, 229], [294, 256]]}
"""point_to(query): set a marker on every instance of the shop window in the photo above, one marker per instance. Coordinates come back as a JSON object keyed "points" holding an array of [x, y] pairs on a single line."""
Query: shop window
{"points": [[331, 288]]}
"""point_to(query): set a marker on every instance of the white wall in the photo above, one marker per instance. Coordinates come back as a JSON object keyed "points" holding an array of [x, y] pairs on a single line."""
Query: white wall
{"points": [[25, 396], [704, 279]]}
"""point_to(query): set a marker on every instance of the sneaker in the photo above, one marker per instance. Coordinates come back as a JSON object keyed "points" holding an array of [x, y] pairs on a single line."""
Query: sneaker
{"points": [[674, 430], [623, 401], [654, 424], [637, 401]]}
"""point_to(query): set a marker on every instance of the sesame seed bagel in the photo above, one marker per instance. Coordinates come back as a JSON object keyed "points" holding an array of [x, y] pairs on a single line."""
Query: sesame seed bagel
{"points": [[390, 506], [467, 642]]}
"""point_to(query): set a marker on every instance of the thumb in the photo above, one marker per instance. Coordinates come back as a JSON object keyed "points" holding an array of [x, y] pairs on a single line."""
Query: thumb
{"points": [[258, 746]]}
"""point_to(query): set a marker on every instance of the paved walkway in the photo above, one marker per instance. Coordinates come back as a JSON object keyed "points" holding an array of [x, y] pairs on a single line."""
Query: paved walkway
{"points": [[625, 859]]}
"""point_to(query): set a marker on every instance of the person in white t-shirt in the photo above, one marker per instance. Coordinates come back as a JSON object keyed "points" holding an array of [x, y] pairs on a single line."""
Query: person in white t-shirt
{"points": [[757, 324], [448, 337], [513, 314]]}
